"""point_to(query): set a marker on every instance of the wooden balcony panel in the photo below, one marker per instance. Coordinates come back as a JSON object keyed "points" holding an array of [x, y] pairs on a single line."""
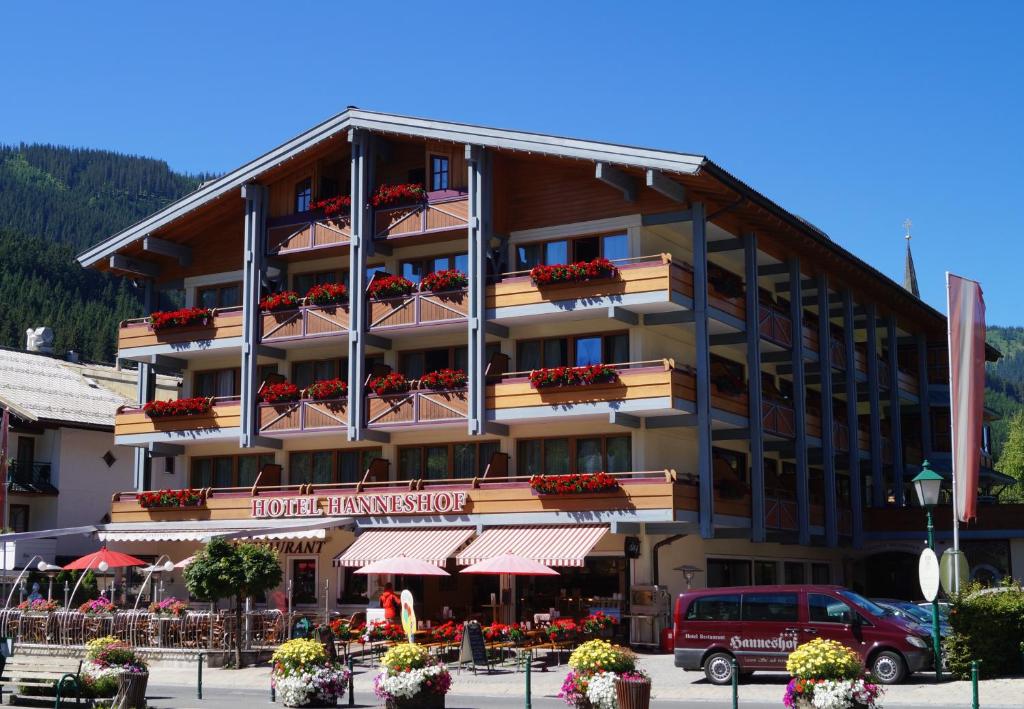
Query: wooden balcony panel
{"points": [[775, 325], [908, 381], [863, 440], [657, 380], [443, 212], [732, 505], [307, 232], [419, 309], [778, 418], [837, 352], [999, 517], [225, 413], [417, 407], [813, 423], [635, 278], [227, 323], [840, 436], [810, 337], [305, 321], [781, 513], [304, 416], [860, 358], [735, 306]]}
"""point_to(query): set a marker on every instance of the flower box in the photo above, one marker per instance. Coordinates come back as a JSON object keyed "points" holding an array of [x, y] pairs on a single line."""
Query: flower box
{"points": [[409, 193], [440, 281], [326, 389], [38, 605], [194, 406], [391, 383], [409, 678], [169, 499], [183, 317], [304, 676], [546, 377], [285, 300], [279, 393], [573, 483], [444, 379], [327, 294], [342, 204], [545, 275], [97, 606], [170, 607], [389, 287]]}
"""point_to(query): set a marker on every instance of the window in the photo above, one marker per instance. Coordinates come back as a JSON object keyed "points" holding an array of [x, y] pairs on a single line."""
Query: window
{"points": [[766, 573], [715, 608], [309, 371], [228, 470], [220, 296], [216, 382], [793, 572], [302, 282], [264, 371], [821, 573], [303, 195], [825, 609], [18, 518], [579, 351], [416, 269], [311, 467], [770, 606], [587, 248], [728, 572], [328, 187], [438, 172], [303, 578], [446, 460], [352, 465], [559, 456]]}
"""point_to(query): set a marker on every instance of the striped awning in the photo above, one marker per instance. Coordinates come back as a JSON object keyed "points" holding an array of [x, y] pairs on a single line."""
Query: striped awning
{"points": [[204, 530], [561, 545], [430, 545]]}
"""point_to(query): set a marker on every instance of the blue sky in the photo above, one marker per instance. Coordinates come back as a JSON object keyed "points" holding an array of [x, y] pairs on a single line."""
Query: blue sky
{"points": [[854, 116]]}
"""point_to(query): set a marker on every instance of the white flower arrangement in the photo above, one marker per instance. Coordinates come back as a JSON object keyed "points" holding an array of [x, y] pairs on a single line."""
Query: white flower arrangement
{"points": [[601, 691], [406, 685], [323, 683], [842, 694]]}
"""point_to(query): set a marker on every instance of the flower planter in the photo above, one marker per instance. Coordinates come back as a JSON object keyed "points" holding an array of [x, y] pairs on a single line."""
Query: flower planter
{"points": [[131, 690], [423, 700], [633, 694]]}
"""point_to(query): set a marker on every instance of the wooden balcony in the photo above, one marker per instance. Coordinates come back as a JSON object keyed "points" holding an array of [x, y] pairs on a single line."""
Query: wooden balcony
{"points": [[840, 436], [781, 513], [417, 407], [645, 284], [133, 427], [991, 518], [308, 232], [774, 325], [136, 337], [444, 211], [813, 422], [908, 382], [810, 336], [419, 309], [304, 323], [303, 416], [837, 352], [778, 419], [649, 388]]}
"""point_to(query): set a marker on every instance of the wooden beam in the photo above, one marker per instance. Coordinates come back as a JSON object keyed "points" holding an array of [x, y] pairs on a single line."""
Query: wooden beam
{"points": [[658, 182], [775, 357], [772, 269], [675, 421], [730, 434], [617, 418], [681, 217], [724, 245], [377, 341], [163, 247], [493, 328], [146, 269], [164, 450], [273, 352], [267, 442], [670, 318], [614, 177], [807, 284], [495, 429], [616, 312], [728, 338]]}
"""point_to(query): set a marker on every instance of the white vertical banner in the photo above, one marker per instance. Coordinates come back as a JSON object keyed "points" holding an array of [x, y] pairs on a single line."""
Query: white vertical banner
{"points": [[966, 308]]}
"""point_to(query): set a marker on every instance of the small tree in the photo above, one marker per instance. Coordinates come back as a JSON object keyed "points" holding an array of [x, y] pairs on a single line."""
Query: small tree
{"points": [[1011, 460], [224, 569]]}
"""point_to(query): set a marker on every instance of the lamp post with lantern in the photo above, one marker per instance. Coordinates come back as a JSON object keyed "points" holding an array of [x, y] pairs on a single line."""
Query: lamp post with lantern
{"points": [[927, 487]]}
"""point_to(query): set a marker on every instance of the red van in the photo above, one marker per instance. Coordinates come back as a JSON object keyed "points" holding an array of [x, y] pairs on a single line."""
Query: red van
{"points": [[759, 626]]}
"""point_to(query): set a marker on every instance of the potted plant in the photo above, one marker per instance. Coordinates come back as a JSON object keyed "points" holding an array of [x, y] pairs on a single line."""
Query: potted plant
{"points": [[595, 666], [633, 689], [188, 497], [182, 317], [38, 605], [285, 300], [410, 679], [304, 676], [561, 630], [97, 606], [193, 406], [327, 294], [546, 275], [449, 633], [573, 483], [112, 668], [444, 379], [341, 204], [382, 631], [326, 389], [828, 675], [598, 623], [441, 281], [585, 375], [388, 195], [344, 631], [170, 607], [279, 393], [390, 383], [383, 287]]}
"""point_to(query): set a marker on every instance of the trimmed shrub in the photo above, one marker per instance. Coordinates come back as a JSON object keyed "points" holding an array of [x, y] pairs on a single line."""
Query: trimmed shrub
{"points": [[988, 625]]}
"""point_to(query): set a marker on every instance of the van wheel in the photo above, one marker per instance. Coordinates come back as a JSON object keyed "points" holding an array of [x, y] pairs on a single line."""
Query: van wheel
{"points": [[889, 667], [718, 668]]}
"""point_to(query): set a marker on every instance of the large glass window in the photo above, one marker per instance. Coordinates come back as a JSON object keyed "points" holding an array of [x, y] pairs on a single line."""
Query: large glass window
{"points": [[579, 351], [585, 248], [449, 460], [438, 172], [725, 607], [826, 609], [793, 572], [303, 195], [216, 382], [305, 373], [728, 572], [770, 606], [416, 269], [558, 456], [228, 471], [302, 282], [821, 573], [766, 573], [311, 467], [220, 296], [303, 578]]}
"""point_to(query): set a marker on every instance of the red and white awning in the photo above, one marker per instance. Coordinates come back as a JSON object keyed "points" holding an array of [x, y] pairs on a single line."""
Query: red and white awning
{"points": [[431, 545], [561, 545]]}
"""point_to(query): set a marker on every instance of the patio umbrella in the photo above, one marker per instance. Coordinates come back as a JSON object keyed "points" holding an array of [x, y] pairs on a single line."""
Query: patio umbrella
{"points": [[113, 560], [184, 562], [403, 566], [510, 564]]}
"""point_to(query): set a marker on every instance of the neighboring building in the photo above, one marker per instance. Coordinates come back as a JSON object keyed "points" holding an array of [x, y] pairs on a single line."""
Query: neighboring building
{"points": [[770, 386], [64, 464]]}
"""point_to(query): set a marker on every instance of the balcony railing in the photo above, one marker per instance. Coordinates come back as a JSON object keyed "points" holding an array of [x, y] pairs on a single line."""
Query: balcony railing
{"points": [[840, 436], [304, 416], [907, 381], [640, 280], [780, 512], [137, 332], [774, 325], [837, 352], [224, 413], [308, 231], [810, 335], [34, 477], [417, 309], [777, 418], [307, 321], [445, 210], [419, 406]]}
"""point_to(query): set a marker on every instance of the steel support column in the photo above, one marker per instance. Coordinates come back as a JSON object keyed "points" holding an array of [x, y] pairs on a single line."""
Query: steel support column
{"points": [[853, 422], [703, 372], [145, 391], [478, 161], [874, 402], [895, 424], [796, 315], [828, 450], [756, 421], [361, 244], [253, 266], [922, 396]]}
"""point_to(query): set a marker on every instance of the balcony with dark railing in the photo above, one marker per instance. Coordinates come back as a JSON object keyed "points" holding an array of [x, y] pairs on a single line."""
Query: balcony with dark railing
{"points": [[30, 478], [441, 213], [775, 325]]}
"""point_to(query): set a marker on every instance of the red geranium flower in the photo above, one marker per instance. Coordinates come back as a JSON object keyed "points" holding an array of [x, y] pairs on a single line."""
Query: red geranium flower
{"points": [[573, 483], [327, 294], [163, 319], [573, 376], [439, 281], [285, 300], [389, 287], [179, 407], [444, 379], [333, 205], [543, 274], [392, 194], [391, 383], [326, 389], [279, 393]]}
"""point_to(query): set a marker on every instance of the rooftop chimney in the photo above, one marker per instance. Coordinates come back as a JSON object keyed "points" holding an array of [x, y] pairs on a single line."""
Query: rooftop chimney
{"points": [[39, 340]]}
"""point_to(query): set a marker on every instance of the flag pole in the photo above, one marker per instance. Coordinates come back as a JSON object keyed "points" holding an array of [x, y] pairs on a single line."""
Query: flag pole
{"points": [[952, 439]]}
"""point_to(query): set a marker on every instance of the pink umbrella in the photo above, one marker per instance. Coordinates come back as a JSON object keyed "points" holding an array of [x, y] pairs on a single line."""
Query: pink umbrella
{"points": [[403, 566], [510, 564], [184, 562]]}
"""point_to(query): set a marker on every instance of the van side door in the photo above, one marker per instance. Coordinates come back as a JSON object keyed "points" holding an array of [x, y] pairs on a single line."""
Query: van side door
{"points": [[769, 631], [710, 621], [832, 618]]}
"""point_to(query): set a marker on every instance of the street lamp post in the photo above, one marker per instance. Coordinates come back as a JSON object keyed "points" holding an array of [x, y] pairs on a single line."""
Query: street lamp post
{"points": [[927, 486]]}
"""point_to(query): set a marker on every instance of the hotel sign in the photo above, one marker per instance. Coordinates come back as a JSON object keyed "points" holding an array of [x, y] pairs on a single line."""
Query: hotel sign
{"points": [[405, 503]]}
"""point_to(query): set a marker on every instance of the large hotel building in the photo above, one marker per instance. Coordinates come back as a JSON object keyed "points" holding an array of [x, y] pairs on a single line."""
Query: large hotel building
{"points": [[765, 399]]}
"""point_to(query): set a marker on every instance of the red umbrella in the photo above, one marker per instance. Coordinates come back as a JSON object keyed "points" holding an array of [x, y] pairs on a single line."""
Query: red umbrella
{"points": [[510, 564], [113, 559], [402, 566]]}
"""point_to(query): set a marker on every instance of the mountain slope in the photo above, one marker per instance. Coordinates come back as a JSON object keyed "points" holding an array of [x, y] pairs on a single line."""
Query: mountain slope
{"points": [[1004, 381], [54, 202]]}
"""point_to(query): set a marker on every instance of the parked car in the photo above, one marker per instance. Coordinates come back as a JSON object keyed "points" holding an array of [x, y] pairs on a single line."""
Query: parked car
{"points": [[915, 613], [758, 626], [943, 610]]}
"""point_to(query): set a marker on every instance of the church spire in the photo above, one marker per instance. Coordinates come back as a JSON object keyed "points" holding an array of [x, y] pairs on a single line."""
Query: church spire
{"points": [[909, 272]]}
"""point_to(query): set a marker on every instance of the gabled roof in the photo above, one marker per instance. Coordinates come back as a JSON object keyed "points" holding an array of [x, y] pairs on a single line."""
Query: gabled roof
{"points": [[352, 117], [42, 388]]}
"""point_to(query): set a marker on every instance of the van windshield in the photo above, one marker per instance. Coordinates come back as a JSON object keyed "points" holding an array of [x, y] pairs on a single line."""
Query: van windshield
{"points": [[870, 606]]}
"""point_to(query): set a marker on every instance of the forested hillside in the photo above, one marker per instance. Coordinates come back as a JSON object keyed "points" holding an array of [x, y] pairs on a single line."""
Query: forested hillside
{"points": [[54, 202], [1004, 380]]}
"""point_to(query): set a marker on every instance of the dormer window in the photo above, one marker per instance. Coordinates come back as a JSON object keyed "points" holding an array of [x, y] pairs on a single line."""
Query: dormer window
{"points": [[303, 195], [438, 173]]}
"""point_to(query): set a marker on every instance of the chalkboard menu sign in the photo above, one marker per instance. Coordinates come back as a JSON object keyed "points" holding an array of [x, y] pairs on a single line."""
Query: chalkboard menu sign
{"points": [[473, 649]]}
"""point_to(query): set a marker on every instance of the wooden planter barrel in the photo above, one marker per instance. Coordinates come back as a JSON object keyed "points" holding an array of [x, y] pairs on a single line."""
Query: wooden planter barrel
{"points": [[131, 690], [423, 700], [633, 695]]}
